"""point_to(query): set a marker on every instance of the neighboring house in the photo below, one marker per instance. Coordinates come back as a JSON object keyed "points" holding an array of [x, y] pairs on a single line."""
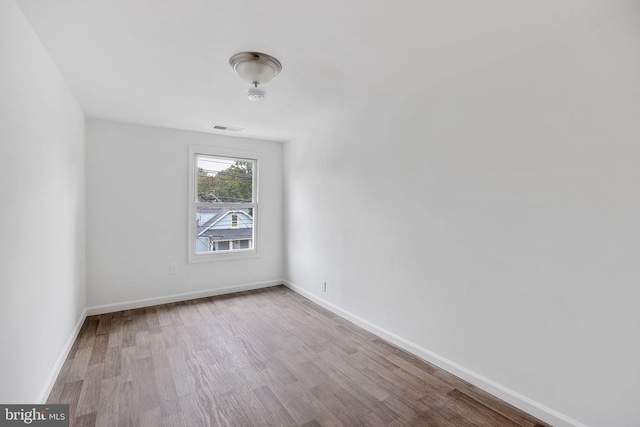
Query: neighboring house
{"points": [[223, 229]]}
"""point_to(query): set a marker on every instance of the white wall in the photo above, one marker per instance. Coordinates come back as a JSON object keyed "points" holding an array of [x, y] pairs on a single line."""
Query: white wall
{"points": [[42, 216], [516, 255], [137, 180]]}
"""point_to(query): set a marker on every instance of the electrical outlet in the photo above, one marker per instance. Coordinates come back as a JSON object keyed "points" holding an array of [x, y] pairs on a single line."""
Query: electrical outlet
{"points": [[173, 269], [324, 286]]}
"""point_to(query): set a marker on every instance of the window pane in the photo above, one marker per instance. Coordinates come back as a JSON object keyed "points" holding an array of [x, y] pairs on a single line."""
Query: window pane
{"points": [[223, 229], [224, 180]]}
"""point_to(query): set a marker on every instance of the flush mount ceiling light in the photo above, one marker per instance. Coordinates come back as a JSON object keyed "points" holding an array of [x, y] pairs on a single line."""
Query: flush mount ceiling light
{"points": [[256, 68]]}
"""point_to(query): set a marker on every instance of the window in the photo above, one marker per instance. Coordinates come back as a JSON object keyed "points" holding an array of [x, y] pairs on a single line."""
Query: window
{"points": [[223, 204]]}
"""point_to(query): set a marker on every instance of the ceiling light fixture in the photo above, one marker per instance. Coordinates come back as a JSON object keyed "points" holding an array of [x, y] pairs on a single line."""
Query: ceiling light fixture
{"points": [[256, 68]]}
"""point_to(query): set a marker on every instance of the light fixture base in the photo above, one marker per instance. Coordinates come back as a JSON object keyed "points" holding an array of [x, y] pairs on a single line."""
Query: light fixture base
{"points": [[256, 94]]}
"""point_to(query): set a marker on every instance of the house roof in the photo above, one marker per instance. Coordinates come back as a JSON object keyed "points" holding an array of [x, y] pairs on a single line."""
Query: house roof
{"points": [[230, 233], [225, 233]]}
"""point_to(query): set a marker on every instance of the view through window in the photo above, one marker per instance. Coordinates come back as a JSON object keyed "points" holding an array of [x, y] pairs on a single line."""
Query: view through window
{"points": [[225, 204]]}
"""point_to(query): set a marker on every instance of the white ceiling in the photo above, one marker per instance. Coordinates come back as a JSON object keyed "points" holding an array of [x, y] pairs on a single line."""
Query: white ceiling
{"points": [[165, 62]]}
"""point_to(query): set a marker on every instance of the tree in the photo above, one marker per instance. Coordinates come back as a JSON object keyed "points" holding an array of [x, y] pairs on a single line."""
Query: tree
{"points": [[205, 186], [231, 185]]}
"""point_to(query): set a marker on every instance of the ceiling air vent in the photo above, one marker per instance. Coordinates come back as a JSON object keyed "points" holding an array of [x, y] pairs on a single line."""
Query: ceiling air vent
{"points": [[226, 128]]}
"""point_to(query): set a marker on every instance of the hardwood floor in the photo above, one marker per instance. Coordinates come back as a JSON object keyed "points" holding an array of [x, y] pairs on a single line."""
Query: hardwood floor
{"points": [[261, 358]]}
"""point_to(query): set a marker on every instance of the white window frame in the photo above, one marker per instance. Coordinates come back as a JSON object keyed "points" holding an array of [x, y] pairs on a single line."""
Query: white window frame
{"points": [[254, 157]]}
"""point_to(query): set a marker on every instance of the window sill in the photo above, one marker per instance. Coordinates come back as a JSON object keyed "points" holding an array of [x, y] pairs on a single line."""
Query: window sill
{"points": [[214, 257]]}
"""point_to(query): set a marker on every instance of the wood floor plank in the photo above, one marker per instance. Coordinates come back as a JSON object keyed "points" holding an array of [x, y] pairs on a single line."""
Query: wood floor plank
{"points": [[70, 395], [147, 387], [416, 412], [393, 384], [90, 392], [56, 390], [170, 336], [300, 404], [174, 420], [87, 334], [128, 402], [80, 364], [195, 414], [422, 383], [104, 324], [179, 371], [274, 407], [174, 315], [258, 358], [487, 399], [401, 408], [163, 316], [166, 387], [483, 412], [156, 342], [86, 420], [449, 409], [420, 370], [368, 394], [372, 420], [152, 319], [112, 362], [232, 412], [107, 412], [151, 418], [99, 351], [337, 408], [115, 334], [143, 349], [343, 372]]}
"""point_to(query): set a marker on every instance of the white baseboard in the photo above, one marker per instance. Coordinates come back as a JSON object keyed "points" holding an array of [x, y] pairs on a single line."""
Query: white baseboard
{"points": [[57, 366], [516, 399], [148, 302]]}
